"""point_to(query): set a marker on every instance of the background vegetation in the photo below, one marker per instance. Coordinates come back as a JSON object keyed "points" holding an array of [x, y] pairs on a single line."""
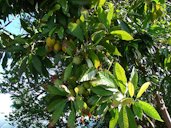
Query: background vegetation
{"points": [[101, 58]]}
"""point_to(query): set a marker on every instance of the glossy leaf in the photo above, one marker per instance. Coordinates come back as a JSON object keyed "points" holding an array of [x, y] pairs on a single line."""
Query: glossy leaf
{"points": [[68, 71], [143, 89], [101, 91], [110, 13], [150, 110], [106, 78], [71, 118], [120, 75], [131, 89], [134, 77], [88, 75], [123, 118], [137, 110], [122, 35], [76, 30], [59, 111], [55, 104], [113, 121], [126, 101], [95, 59], [132, 122], [98, 36], [55, 90], [102, 2], [37, 63]]}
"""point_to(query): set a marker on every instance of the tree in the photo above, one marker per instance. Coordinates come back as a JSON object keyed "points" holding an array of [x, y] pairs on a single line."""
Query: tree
{"points": [[103, 54]]}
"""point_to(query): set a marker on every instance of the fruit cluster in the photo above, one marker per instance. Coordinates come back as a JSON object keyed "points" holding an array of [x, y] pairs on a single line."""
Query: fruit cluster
{"points": [[53, 45]]}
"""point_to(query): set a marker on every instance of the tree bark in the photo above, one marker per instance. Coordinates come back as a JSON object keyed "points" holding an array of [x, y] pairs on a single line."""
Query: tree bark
{"points": [[163, 109]]}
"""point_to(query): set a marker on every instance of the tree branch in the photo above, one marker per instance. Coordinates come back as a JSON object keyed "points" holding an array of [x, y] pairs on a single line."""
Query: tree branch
{"points": [[163, 109]]}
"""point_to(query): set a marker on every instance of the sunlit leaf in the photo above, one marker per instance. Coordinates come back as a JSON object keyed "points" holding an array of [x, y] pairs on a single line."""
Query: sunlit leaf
{"points": [[95, 59], [106, 78], [134, 77], [122, 34], [115, 116], [76, 30], [150, 110], [131, 89], [120, 75], [143, 89], [123, 118], [88, 75], [110, 13]]}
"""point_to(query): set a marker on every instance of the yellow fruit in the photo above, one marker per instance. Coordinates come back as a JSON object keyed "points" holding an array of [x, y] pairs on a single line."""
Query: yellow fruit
{"points": [[50, 42], [57, 47]]}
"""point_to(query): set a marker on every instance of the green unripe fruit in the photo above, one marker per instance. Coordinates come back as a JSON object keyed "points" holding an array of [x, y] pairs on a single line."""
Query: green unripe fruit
{"points": [[87, 85], [77, 60]]}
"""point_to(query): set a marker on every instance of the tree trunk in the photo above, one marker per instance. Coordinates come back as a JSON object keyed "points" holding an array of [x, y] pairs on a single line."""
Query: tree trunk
{"points": [[163, 109]]}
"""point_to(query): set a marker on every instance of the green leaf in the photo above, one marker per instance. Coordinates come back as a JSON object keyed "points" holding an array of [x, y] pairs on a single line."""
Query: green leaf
{"points": [[150, 110], [59, 111], [143, 89], [131, 89], [137, 110], [71, 118], [95, 59], [102, 2], [127, 101], [23, 66], [123, 118], [101, 91], [55, 104], [60, 32], [55, 90], [89, 63], [122, 34], [78, 103], [37, 63], [5, 60], [134, 77], [111, 49], [169, 41], [98, 36], [113, 121], [110, 13], [119, 72], [102, 16], [64, 5], [106, 78], [76, 30], [88, 75], [125, 26], [132, 122], [93, 100], [68, 71]]}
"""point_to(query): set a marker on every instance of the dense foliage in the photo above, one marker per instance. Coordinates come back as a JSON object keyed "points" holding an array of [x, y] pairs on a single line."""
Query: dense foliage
{"points": [[96, 57]]}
